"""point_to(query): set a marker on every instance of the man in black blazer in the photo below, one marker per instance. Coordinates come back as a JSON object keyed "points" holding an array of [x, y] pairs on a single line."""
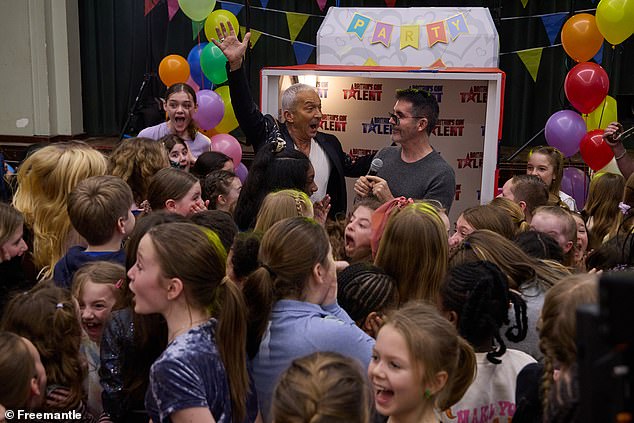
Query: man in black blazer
{"points": [[301, 110]]}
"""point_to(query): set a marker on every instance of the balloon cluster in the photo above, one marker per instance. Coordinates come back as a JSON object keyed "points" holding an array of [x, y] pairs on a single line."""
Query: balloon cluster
{"points": [[204, 68], [587, 84]]}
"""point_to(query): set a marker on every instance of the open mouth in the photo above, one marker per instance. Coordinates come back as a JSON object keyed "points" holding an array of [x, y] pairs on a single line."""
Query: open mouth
{"points": [[92, 329], [382, 395], [314, 126]]}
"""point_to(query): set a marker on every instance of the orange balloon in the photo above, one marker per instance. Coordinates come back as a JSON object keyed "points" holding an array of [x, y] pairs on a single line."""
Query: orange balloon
{"points": [[581, 38], [173, 69]]}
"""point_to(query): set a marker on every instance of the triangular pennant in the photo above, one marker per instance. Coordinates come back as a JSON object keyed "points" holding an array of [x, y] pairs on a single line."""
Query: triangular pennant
{"points": [[390, 3], [598, 58], [322, 4], [370, 62], [265, 3], [149, 5], [255, 36], [531, 59], [196, 28], [438, 64], [231, 7], [524, 3], [296, 22], [302, 52], [172, 8], [338, 3], [552, 25]]}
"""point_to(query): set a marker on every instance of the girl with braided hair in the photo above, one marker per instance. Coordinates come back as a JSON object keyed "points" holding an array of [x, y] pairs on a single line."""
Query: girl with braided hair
{"points": [[475, 297]]}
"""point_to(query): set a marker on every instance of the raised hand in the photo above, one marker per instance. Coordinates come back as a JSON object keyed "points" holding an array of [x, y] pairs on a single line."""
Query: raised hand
{"points": [[230, 45]]}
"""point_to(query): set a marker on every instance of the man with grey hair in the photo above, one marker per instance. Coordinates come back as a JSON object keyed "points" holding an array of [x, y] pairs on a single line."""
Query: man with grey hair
{"points": [[301, 113]]}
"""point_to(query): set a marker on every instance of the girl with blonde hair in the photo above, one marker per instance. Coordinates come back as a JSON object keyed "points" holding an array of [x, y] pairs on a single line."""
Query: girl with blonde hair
{"points": [[45, 180], [601, 212], [413, 250], [514, 211], [280, 205]]}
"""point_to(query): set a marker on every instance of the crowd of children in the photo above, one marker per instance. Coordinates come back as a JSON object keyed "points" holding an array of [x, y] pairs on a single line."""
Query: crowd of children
{"points": [[124, 299]]}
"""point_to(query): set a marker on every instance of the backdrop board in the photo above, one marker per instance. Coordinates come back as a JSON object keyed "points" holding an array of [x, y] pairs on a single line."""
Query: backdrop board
{"points": [[356, 102]]}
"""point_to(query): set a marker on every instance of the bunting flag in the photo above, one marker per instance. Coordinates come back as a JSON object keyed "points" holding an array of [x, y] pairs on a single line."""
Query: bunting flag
{"points": [[338, 3], [382, 34], [149, 5], [552, 25], [264, 3], [296, 22], [436, 33], [234, 8], [409, 36], [172, 8], [322, 4], [255, 35], [531, 59], [438, 64], [524, 3], [302, 52], [390, 3], [598, 58], [370, 62], [197, 27], [457, 25], [358, 25]]}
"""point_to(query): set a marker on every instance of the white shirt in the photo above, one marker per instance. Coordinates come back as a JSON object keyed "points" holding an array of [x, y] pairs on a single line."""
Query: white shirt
{"points": [[321, 164], [567, 200]]}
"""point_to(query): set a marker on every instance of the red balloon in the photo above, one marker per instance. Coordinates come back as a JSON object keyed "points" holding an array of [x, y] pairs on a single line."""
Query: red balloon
{"points": [[594, 151], [586, 86]]}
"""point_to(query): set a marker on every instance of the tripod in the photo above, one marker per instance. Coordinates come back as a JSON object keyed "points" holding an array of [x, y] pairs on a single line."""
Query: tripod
{"points": [[133, 109]]}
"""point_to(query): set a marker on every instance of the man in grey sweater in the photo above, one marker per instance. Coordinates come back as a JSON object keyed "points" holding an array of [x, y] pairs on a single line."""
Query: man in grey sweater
{"points": [[412, 168]]}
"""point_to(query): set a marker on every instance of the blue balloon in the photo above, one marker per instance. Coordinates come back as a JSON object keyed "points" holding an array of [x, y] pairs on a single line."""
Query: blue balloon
{"points": [[195, 70]]}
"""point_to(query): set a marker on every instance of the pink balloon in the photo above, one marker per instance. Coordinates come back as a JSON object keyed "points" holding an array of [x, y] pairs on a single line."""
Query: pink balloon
{"points": [[193, 84], [228, 145], [242, 172], [211, 109]]}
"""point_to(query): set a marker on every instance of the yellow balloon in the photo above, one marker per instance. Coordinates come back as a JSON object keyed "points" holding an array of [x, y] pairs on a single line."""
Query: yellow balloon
{"points": [[216, 18], [229, 121], [615, 20], [601, 117]]}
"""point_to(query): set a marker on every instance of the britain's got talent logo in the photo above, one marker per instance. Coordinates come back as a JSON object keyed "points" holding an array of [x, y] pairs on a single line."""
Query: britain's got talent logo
{"points": [[476, 94], [435, 90], [336, 123], [473, 159], [377, 125], [449, 128], [364, 92], [322, 89]]}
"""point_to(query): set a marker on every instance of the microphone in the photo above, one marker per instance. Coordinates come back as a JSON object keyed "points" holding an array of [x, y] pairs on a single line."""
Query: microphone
{"points": [[375, 166]]}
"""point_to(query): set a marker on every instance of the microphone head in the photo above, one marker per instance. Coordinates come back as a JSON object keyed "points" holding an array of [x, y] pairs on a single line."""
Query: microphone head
{"points": [[375, 166]]}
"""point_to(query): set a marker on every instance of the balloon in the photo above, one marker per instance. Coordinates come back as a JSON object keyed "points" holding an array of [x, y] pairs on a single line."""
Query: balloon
{"points": [[196, 72], [612, 167], [228, 145], [216, 18], [601, 117], [197, 10], [193, 84], [212, 61], [586, 86], [581, 37], [615, 20], [576, 183], [211, 109], [229, 121], [564, 131], [594, 151], [242, 172], [173, 69]]}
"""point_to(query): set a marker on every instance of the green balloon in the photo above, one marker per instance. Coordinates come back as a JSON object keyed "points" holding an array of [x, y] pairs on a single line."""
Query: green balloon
{"points": [[212, 62]]}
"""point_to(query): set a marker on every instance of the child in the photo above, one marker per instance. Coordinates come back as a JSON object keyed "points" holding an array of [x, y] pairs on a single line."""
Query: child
{"points": [[48, 316], [548, 164], [22, 374], [358, 232], [176, 191], [97, 288], [242, 259], [222, 189], [280, 205], [420, 365], [323, 386], [180, 105], [100, 209], [475, 298], [11, 231], [177, 152], [558, 223], [211, 161], [202, 374]]}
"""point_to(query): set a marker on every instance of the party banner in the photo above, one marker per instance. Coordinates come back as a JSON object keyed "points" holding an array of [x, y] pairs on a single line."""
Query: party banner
{"points": [[370, 62], [457, 25], [531, 59], [296, 22], [436, 33], [358, 25], [552, 25], [524, 3], [196, 28], [231, 7], [382, 34], [264, 3], [302, 52], [409, 36], [149, 5], [255, 35], [322, 4]]}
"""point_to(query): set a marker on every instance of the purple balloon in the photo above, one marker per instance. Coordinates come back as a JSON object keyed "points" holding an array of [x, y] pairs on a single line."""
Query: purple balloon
{"points": [[564, 131], [242, 172], [576, 183], [211, 109]]}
